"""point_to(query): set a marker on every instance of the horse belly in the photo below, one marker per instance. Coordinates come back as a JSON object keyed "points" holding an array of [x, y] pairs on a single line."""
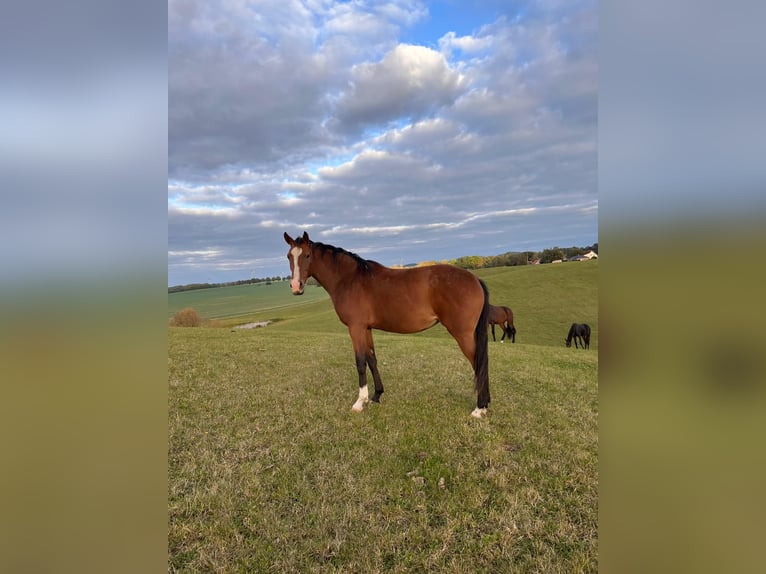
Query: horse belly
{"points": [[394, 321], [406, 313]]}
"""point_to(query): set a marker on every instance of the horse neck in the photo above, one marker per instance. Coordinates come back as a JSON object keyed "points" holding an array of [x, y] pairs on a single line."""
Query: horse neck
{"points": [[330, 268]]}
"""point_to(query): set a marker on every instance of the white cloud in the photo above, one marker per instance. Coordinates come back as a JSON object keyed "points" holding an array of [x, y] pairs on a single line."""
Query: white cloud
{"points": [[409, 81], [204, 254], [317, 116], [466, 44]]}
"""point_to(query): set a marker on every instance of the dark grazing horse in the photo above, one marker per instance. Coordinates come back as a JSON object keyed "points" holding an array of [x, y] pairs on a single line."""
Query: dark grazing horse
{"points": [[367, 295], [502, 316], [579, 331]]}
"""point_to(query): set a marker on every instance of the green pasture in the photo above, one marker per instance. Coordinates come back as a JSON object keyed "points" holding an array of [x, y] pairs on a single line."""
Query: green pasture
{"points": [[239, 300], [545, 299], [270, 471]]}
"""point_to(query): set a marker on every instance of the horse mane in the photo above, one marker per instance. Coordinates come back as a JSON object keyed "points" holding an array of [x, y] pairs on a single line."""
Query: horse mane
{"points": [[363, 265]]}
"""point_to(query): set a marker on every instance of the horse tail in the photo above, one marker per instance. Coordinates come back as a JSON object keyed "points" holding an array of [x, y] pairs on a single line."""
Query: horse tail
{"points": [[481, 355]]}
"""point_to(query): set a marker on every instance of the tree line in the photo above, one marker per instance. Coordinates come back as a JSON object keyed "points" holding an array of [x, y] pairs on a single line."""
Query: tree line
{"points": [[512, 258], [254, 281]]}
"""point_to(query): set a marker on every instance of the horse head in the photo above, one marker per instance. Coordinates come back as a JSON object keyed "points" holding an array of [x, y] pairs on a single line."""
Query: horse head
{"points": [[299, 256]]}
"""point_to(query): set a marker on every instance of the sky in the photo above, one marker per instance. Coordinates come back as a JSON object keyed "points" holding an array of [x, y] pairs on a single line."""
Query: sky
{"points": [[400, 130]]}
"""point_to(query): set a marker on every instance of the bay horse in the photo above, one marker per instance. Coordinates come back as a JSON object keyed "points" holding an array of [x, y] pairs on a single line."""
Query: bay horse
{"points": [[502, 316], [367, 295], [579, 331]]}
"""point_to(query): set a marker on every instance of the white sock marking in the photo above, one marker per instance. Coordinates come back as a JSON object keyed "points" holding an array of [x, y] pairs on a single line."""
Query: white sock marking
{"points": [[364, 395], [478, 413]]}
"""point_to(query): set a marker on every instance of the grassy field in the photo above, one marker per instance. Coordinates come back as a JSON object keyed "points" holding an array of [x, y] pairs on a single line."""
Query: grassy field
{"points": [[239, 300], [270, 471]]}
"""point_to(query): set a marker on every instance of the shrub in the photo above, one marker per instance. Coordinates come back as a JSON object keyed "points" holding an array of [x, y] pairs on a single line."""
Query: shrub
{"points": [[187, 317]]}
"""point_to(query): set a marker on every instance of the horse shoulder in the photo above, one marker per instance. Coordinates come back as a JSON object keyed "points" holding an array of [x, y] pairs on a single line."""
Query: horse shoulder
{"points": [[352, 301]]}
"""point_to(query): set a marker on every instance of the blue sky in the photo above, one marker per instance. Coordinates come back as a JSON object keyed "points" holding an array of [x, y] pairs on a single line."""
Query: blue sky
{"points": [[462, 18], [401, 130]]}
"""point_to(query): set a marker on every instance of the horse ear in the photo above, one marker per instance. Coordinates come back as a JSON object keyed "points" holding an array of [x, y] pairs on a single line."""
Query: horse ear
{"points": [[290, 241], [305, 236]]}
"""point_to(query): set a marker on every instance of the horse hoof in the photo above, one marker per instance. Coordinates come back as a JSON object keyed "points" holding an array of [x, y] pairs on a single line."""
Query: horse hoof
{"points": [[358, 407], [478, 413]]}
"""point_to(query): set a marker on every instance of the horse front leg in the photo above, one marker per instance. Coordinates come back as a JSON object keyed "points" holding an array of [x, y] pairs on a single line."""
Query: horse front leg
{"points": [[372, 362], [359, 341], [363, 399], [493, 333]]}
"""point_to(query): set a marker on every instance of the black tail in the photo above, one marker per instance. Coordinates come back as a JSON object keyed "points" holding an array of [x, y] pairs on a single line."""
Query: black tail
{"points": [[481, 356]]}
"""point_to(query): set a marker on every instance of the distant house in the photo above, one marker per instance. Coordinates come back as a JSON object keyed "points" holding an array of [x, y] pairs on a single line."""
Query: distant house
{"points": [[535, 261], [585, 256]]}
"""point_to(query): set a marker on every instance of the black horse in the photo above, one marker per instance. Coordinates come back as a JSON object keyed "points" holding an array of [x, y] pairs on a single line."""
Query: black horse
{"points": [[579, 331]]}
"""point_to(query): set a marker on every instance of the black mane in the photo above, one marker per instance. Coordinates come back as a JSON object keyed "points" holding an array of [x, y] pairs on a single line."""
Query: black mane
{"points": [[364, 265]]}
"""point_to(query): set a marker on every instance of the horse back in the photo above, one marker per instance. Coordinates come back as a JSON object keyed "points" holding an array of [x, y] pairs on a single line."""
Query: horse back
{"points": [[411, 300]]}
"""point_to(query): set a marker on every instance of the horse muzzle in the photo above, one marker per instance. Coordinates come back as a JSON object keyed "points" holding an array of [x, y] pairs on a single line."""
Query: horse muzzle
{"points": [[297, 287]]}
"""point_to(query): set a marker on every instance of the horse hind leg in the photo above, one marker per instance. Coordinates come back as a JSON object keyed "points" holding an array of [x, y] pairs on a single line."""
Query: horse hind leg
{"points": [[510, 332], [467, 344], [478, 359]]}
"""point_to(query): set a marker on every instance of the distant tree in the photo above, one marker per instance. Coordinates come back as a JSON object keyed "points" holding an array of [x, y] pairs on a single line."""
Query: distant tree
{"points": [[519, 259], [469, 262], [570, 252], [551, 254], [498, 260]]}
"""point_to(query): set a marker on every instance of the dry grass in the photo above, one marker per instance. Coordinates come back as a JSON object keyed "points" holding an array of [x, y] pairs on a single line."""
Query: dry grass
{"points": [[186, 317]]}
